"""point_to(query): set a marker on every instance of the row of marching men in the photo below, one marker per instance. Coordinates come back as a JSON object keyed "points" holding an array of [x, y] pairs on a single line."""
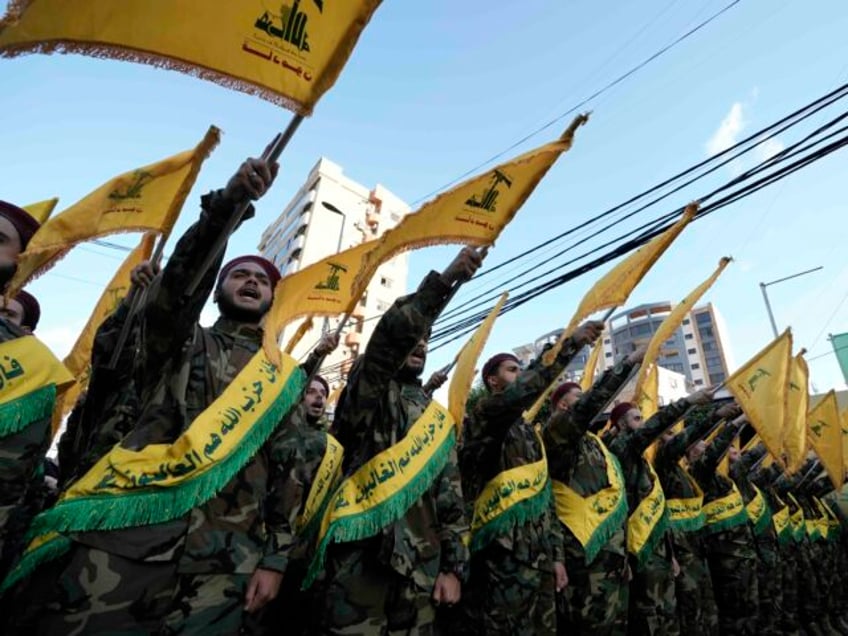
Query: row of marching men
{"points": [[391, 523]]}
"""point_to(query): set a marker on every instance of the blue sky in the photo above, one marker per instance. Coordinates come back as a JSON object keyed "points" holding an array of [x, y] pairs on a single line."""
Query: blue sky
{"points": [[435, 88]]}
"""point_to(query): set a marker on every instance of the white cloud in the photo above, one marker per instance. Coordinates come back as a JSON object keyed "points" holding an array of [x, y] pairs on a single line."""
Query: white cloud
{"points": [[728, 131], [769, 149]]}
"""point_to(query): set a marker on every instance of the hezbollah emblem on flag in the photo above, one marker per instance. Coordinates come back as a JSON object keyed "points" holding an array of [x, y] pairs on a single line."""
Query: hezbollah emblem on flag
{"points": [[488, 198]]}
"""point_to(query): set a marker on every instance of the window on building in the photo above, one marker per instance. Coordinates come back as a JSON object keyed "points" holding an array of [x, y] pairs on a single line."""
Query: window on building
{"points": [[717, 378], [706, 332], [640, 330], [691, 351], [382, 306], [364, 300], [395, 217], [386, 282], [689, 336], [699, 382], [685, 321], [704, 319], [606, 340], [696, 366], [301, 230], [295, 255], [710, 346], [608, 354]]}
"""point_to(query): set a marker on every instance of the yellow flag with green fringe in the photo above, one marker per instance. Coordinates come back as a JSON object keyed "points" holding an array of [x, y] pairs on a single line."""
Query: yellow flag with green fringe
{"points": [[797, 406], [145, 199], [161, 482], [78, 361], [760, 386], [466, 360], [824, 430], [474, 213], [42, 210], [591, 364], [288, 52], [670, 324]]}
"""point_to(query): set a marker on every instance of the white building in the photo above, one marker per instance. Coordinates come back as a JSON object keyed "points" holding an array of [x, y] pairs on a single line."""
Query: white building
{"points": [[330, 213]]}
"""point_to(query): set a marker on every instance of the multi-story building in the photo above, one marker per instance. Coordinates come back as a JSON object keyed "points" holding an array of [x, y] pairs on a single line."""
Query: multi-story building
{"points": [[696, 349], [697, 352], [330, 213]]}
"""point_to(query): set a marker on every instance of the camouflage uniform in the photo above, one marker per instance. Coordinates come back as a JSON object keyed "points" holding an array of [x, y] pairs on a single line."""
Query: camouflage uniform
{"points": [[696, 606], [653, 608], [129, 580], [21, 475], [730, 552], [512, 578], [108, 409], [384, 584], [769, 578], [596, 598]]}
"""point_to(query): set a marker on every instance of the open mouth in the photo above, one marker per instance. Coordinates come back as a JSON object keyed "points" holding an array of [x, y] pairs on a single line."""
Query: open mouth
{"points": [[249, 292]]}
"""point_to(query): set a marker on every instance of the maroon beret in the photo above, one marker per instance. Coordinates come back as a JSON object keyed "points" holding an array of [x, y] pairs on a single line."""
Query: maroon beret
{"points": [[21, 219], [492, 364], [620, 410], [32, 310], [270, 269], [561, 390]]}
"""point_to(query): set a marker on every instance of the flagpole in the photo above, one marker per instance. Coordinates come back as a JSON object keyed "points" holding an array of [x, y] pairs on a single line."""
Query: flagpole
{"points": [[271, 154], [136, 297]]}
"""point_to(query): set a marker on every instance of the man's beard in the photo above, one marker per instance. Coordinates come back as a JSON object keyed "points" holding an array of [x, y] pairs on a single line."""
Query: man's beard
{"points": [[230, 310], [408, 374]]}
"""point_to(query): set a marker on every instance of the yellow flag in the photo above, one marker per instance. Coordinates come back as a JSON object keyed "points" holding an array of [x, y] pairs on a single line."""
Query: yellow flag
{"points": [[474, 212], [671, 322], [797, 405], [647, 396], [466, 360], [824, 431], [616, 285], [78, 361], [287, 52], [42, 210], [145, 199], [760, 388], [591, 364], [844, 422]]}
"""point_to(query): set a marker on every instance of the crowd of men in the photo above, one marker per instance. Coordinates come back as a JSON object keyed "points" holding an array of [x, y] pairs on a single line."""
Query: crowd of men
{"points": [[607, 541]]}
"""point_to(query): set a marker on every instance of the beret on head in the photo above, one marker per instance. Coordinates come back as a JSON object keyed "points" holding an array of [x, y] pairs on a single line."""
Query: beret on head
{"points": [[561, 390], [32, 310], [620, 410], [492, 364], [270, 269], [322, 382], [21, 219]]}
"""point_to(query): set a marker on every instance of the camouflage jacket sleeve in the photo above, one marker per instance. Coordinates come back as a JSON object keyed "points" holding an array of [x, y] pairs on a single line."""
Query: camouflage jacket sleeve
{"points": [[697, 426], [285, 498], [397, 333], [640, 439], [453, 524], [168, 317], [567, 427], [705, 468], [557, 535]]}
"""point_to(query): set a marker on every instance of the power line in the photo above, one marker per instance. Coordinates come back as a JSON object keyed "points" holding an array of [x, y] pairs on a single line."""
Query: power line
{"points": [[586, 100]]}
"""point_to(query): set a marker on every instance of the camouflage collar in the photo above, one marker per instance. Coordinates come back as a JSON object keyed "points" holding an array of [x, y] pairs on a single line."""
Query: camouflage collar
{"points": [[238, 329]]}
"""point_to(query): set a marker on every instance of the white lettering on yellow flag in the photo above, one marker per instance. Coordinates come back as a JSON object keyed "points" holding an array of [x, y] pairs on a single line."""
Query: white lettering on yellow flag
{"points": [[824, 430], [146, 199], [289, 52], [760, 387], [797, 405]]}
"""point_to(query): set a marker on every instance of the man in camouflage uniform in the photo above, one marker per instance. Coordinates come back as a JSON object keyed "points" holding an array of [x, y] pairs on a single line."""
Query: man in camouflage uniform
{"points": [[515, 577], [696, 607], [730, 545], [21, 452], [652, 602], [109, 408], [389, 583], [200, 572], [596, 598], [769, 577]]}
